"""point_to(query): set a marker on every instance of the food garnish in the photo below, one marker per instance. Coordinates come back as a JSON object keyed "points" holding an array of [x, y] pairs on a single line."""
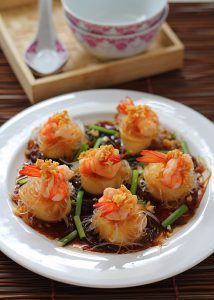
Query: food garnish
{"points": [[174, 216]]}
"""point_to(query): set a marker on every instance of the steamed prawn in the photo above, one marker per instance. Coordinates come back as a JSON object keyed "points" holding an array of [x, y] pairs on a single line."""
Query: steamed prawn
{"points": [[60, 136], [168, 177], [46, 195], [101, 168], [139, 125], [118, 218]]}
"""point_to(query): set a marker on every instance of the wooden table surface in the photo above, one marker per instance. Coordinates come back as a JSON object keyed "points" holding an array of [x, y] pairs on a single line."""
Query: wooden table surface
{"points": [[193, 86]]}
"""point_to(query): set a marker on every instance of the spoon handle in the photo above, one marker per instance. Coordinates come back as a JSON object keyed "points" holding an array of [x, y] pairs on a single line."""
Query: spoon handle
{"points": [[45, 35]]}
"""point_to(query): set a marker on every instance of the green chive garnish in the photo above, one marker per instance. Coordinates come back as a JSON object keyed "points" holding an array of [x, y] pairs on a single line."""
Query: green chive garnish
{"points": [[73, 202], [163, 151], [68, 238], [83, 148], [141, 201], [134, 184], [22, 180], [79, 227], [172, 136], [174, 216], [98, 142], [185, 148], [104, 130], [79, 203]]}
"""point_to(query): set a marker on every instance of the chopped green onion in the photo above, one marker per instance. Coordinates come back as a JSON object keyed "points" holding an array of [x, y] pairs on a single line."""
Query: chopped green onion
{"points": [[169, 228], [140, 169], [141, 201], [83, 148], [172, 136], [73, 202], [79, 203], [175, 215], [163, 151], [104, 130], [133, 188], [185, 148], [98, 142], [22, 180], [68, 238], [79, 227]]}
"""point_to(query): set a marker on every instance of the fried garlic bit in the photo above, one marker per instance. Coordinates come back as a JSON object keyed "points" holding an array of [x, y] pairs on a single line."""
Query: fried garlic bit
{"points": [[60, 136], [118, 218], [168, 177], [139, 125], [101, 168], [47, 194]]}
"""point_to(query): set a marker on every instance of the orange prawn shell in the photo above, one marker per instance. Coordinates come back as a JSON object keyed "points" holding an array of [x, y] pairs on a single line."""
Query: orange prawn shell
{"points": [[60, 136]]}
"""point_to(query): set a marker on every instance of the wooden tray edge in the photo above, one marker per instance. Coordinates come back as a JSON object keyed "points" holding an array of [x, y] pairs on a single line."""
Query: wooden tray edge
{"points": [[93, 77], [17, 64]]}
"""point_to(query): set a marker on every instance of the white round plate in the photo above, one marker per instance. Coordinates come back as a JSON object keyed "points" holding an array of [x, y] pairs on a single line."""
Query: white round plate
{"points": [[188, 246]]}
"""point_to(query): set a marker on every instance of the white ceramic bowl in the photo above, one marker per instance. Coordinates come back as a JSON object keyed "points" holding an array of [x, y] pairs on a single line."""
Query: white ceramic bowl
{"points": [[112, 47], [114, 17]]}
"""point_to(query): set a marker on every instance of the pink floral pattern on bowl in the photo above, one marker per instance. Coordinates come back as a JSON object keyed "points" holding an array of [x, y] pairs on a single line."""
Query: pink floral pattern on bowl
{"points": [[114, 30], [111, 47], [119, 44], [104, 47]]}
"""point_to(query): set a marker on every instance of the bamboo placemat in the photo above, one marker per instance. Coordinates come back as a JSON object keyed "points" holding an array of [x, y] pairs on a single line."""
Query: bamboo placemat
{"points": [[193, 86]]}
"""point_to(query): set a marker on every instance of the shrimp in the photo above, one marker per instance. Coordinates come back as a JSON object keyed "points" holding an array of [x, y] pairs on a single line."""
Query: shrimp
{"points": [[104, 161], [169, 177], [101, 168], [60, 136], [124, 104], [138, 128], [47, 194], [118, 218]]}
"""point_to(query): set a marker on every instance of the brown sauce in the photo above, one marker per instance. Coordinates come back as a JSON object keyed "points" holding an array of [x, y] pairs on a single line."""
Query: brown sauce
{"points": [[154, 235]]}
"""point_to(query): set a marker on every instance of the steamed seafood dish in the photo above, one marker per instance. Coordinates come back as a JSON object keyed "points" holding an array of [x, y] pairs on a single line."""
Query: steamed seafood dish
{"points": [[138, 125], [46, 194], [101, 168], [117, 187], [60, 136], [118, 217], [168, 177]]}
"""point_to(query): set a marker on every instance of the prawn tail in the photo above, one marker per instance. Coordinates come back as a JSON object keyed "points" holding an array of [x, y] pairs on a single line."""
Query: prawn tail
{"points": [[149, 156], [32, 171]]}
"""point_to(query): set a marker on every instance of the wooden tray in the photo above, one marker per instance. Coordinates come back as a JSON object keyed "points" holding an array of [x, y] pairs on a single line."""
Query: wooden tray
{"points": [[18, 23]]}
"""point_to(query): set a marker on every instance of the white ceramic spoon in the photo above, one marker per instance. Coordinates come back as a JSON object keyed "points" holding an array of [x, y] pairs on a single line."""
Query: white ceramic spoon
{"points": [[46, 54]]}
